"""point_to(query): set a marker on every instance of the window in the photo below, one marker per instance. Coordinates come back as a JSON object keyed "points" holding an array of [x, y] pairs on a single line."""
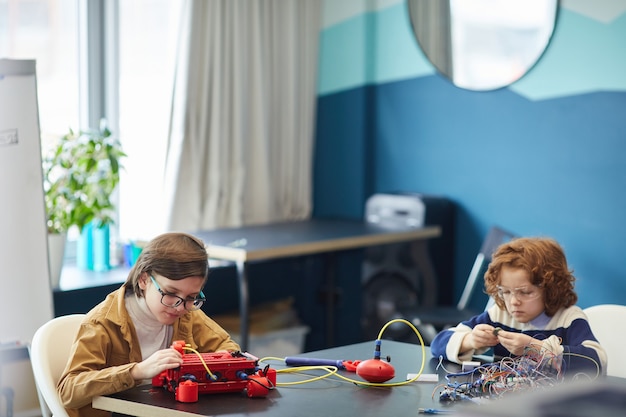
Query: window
{"points": [[148, 34], [47, 32], [137, 76]]}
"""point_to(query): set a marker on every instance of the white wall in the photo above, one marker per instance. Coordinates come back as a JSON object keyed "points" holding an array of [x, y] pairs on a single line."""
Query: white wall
{"points": [[24, 283]]}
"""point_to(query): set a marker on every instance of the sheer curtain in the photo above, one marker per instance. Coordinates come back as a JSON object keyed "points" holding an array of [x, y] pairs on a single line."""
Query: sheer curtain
{"points": [[242, 125]]}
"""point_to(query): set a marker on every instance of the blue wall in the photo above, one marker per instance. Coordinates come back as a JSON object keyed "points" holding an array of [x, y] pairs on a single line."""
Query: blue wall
{"points": [[545, 156]]}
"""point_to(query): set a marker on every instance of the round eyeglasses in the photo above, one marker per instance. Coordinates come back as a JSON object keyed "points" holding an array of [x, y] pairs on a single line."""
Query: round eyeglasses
{"points": [[171, 300], [528, 293]]}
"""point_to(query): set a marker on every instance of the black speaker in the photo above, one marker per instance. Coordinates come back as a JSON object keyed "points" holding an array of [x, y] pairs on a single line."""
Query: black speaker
{"points": [[391, 282], [440, 211], [391, 279]]}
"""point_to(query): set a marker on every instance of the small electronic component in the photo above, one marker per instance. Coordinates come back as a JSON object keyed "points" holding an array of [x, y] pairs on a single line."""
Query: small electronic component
{"points": [[469, 366]]}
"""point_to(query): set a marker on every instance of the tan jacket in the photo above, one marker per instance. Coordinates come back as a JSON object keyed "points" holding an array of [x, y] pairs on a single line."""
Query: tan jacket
{"points": [[106, 348]]}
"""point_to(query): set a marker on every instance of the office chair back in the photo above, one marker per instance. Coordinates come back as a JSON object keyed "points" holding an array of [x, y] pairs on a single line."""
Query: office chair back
{"points": [[495, 237], [49, 352], [605, 320], [429, 321]]}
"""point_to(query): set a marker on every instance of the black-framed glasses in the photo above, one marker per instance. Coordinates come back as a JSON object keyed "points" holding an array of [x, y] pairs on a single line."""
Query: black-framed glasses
{"points": [[171, 300]]}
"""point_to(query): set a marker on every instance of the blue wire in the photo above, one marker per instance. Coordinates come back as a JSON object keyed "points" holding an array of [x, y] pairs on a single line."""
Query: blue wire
{"points": [[434, 411]]}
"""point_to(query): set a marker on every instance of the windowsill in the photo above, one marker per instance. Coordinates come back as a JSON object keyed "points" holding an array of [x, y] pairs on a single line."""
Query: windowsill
{"points": [[75, 278]]}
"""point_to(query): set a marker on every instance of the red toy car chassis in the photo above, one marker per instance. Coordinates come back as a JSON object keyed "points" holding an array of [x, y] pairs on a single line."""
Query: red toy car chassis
{"points": [[203, 373]]}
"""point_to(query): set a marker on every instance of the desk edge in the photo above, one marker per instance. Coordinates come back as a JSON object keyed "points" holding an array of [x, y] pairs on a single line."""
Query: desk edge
{"points": [[329, 245], [117, 405]]}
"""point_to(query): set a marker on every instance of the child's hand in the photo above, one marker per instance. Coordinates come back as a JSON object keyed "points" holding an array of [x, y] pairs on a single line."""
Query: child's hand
{"points": [[156, 363], [516, 343], [481, 336]]}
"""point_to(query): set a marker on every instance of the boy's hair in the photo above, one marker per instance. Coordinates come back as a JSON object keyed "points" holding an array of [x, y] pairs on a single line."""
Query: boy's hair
{"points": [[173, 255], [544, 260]]}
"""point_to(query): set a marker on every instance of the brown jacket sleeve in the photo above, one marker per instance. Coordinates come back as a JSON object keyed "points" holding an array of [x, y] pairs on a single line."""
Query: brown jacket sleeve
{"points": [[99, 364]]}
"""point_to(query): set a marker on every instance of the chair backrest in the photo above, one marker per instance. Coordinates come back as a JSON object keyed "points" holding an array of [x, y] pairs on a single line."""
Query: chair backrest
{"points": [[605, 321], [49, 352], [495, 237]]}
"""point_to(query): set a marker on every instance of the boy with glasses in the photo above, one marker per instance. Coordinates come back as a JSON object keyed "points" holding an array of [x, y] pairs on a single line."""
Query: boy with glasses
{"points": [[535, 309], [126, 340]]}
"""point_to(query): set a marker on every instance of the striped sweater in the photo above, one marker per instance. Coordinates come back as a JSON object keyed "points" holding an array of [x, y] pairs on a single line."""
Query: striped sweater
{"points": [[567, 333]]}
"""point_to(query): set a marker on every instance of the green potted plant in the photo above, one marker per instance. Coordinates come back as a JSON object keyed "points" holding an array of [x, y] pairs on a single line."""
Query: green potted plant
{"points": [[81, 172]]}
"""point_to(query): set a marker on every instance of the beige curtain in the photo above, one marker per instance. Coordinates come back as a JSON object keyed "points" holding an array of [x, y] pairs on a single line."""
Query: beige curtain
{"points": [[241, 136]]}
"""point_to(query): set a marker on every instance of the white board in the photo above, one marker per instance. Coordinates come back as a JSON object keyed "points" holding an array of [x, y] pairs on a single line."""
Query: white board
{"points": [[24, 274]]}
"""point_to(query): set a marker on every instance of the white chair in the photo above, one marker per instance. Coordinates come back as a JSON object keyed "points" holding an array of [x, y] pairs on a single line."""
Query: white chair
{"points": [[607, 321], [49, 351]]}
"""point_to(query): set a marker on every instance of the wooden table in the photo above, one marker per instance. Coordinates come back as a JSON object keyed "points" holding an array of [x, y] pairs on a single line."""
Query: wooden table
{"points": [[280, 240], [326, 397], [334, 397]]}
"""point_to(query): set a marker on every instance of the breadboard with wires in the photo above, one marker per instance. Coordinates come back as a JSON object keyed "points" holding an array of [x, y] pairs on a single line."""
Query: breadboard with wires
{"points": [[530, 371]]}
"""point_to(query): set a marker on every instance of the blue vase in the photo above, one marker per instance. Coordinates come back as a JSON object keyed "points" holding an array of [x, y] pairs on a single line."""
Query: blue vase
{"points": [[84, 248], [101, 248]]}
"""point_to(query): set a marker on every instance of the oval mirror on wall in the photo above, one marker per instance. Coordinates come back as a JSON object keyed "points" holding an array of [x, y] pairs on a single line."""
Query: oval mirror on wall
{"points": [[483, 44]]}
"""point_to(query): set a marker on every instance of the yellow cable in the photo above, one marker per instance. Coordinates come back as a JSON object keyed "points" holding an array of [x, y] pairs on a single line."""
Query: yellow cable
{"points": [[331, 370], [187, 347]]}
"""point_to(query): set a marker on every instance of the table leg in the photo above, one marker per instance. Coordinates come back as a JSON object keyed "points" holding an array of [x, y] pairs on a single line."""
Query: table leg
{"points": [[10, 353], [7, 392], [244, 302], [331, 298]]}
